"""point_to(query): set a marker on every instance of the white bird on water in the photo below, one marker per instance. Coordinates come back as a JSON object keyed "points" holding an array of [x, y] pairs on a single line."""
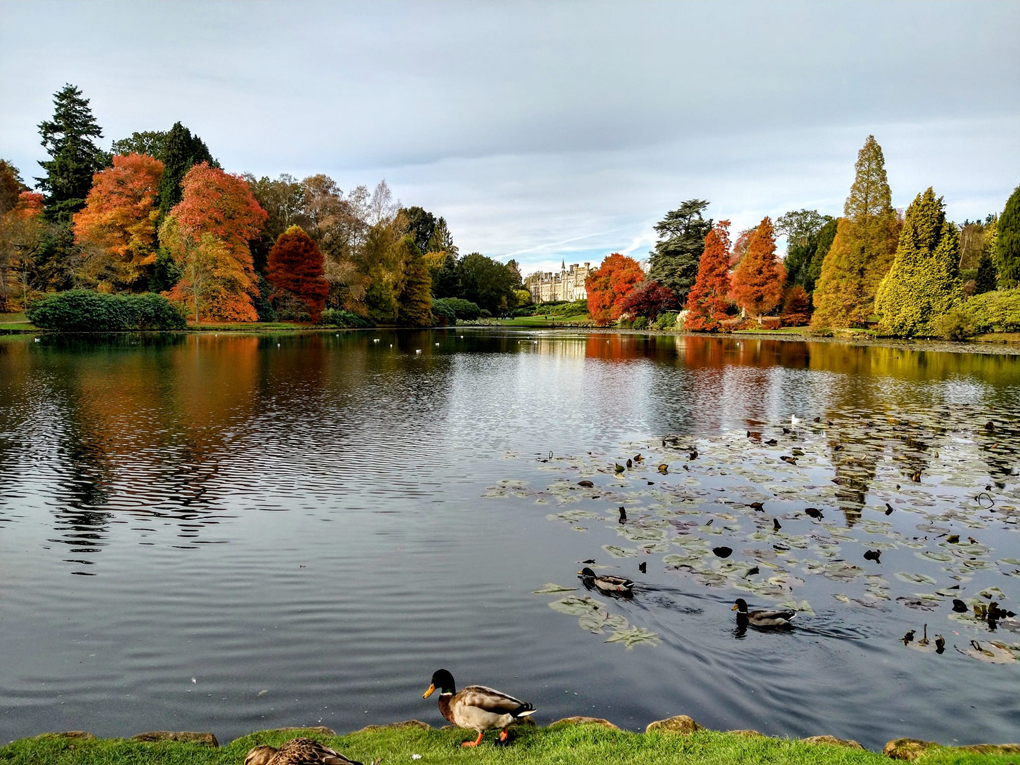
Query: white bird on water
{"points": [[418, 351], [794, 420]]}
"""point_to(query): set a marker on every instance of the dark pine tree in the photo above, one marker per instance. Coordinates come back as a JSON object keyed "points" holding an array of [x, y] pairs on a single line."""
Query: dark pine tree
{"points": [[74, 157], [674, 261], [181, 151]]}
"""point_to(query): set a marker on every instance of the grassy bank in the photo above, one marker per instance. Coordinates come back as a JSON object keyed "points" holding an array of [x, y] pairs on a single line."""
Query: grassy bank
{"points": [[560, 744]]}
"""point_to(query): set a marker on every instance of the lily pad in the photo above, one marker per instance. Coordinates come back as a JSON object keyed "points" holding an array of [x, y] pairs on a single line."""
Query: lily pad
{"points": [[634, 636], [551, 589], [904, 576]]}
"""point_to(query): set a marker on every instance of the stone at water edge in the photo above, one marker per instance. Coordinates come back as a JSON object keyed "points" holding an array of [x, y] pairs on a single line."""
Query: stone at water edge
{"points": [[907, 748], [322, 730], [580, 720], [993, 748], [397, 725], [183, 736], [78, 735], [681, 724], [849, 743]]}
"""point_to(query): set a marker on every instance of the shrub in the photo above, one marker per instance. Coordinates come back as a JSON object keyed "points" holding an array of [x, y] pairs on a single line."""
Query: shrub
{"points": [[465, 310], [344, 319], [666, 320], [444, 315], [771, 322], [87, 311], [997, 311], [625, 322], [641, 322], [955, 325], [486, 313]]}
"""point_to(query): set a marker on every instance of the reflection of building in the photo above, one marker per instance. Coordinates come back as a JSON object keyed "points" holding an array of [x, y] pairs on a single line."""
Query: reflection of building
{"points": [[566, 285]]}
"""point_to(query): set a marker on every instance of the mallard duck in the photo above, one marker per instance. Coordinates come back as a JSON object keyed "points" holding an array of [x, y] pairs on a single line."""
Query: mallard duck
{"points": [[297, 751], [477, 707], [762, 618], [606, 582]]}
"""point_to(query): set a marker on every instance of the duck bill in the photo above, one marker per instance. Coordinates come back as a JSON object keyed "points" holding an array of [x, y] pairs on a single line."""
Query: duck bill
{"points": [[430, 691], [735, 608]]}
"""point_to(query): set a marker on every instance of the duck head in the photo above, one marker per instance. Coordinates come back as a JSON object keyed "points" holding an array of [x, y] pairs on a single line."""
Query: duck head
{"points": [[740, 605], [442, 680], [586, 573]]}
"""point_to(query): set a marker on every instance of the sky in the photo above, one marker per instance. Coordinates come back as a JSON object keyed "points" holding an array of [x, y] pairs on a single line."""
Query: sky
{"points": [[554, 130]]}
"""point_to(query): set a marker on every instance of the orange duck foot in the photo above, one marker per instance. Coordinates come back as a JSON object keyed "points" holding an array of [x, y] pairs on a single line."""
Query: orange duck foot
{"points": [[476, 742]]}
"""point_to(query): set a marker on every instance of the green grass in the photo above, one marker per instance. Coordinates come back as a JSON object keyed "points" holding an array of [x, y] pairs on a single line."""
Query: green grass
{"points": [[15, 321], [548, 320], [534, 746]]}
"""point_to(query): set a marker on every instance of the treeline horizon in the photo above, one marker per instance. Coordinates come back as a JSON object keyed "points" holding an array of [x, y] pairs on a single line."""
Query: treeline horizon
{"points": [[157, 213]]}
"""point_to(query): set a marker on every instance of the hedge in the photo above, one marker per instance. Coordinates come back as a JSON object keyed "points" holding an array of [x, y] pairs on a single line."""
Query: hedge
{"points": [[443, 313], [344, 319], [997, 311], [87, 311]]}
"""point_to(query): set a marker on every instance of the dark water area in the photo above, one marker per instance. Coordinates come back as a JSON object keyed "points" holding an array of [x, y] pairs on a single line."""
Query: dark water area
{"points": [[232, 533]]}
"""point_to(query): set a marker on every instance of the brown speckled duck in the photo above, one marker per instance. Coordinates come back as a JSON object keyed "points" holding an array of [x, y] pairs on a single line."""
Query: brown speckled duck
{"points": [[477, 707], [763, 619], [297, 751]]}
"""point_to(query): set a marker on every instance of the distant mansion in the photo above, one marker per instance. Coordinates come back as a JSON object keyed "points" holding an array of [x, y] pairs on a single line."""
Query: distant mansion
{"points": [[566, 285]]}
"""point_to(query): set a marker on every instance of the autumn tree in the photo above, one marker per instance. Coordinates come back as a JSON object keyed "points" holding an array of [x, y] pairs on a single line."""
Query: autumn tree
{"points": [[21, 231], [609, 284], [220, 205], [181, 151], [674, 261], [1006, 254], [415, 300], [283, 200], [74, 157], [862, 251], [649, 299], [120, 217], [296, 273], [796, 307], [707, 300], [212, 279], [385, 255], [758, 280], [923, 283]]}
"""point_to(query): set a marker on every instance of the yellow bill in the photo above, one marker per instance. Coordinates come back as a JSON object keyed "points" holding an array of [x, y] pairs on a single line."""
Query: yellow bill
{"points": [[430, 691]]}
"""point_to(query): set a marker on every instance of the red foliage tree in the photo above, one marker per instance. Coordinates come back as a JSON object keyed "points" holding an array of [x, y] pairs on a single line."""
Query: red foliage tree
{"points": [[218, 205], [120, 215], [649, 298], [295, 269], [29, 205], [609, 284], [758, 280], [707, 300], [797, 308]]}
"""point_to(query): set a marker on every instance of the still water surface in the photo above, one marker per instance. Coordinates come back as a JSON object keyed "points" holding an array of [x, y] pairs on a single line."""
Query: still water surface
{"points": [[231, 533]]}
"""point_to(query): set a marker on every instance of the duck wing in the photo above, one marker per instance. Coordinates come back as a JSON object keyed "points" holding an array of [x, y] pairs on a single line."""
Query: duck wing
{"points": [[305, 751], [771, 618], [496, 702], [613, 583]]}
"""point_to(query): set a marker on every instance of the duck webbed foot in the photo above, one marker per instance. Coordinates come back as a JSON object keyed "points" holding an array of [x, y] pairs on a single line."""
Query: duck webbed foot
{"points": [[476, 742]]}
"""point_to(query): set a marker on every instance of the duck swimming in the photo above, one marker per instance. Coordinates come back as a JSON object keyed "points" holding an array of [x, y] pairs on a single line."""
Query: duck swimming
{"points": [[607, 583], [477, 707], [762, 618]]}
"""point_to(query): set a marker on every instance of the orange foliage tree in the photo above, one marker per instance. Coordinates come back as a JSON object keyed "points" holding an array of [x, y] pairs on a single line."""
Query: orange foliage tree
{"points": [[21, 231], [296, 272], [706, 302], [758, 280], [797, 307], [609, 284], [207, 234], [120, 216]]}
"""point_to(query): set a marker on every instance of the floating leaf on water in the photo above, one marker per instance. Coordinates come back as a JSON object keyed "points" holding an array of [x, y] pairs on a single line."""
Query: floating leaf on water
{"points": [[993, 593], [904, 576], [620, 552], [641, 534], [634, 636], [550, 588], [597, 622], [575, 606], [840, 597], [918, 604], [991, 652], [933, 555], [801, 606]]}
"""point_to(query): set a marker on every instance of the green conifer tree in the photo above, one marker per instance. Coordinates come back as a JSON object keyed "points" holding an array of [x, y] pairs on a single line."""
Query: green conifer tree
{"points": [[677, 253], [823, 243], [74, 157], [862, 251], [181, 151], [923, 284], [1007, 243], [416, 297]]}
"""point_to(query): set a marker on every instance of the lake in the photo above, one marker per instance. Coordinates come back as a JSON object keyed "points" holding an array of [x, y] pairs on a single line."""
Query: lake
{"points": [[237, 532]]}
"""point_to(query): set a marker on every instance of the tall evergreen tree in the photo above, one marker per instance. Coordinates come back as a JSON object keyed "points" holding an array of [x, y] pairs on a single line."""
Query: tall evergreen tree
{"points": [[863, 249], [74, 157], [674, 261], [1007, 243], [822, 244], [416, 297], [181, 151], [923, 283], [421, 226]]}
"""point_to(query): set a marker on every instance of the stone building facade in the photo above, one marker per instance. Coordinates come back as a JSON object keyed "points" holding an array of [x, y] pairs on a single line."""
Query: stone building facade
{"points": [[568, 284]]}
